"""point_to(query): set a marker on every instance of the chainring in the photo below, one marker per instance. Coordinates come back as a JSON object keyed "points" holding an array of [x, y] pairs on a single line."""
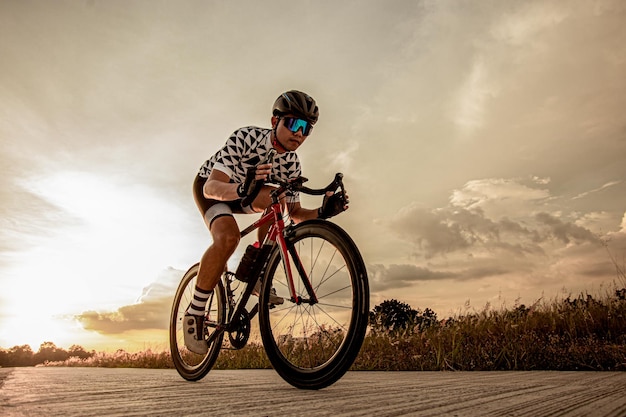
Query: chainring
{"points": [[241, 331]]}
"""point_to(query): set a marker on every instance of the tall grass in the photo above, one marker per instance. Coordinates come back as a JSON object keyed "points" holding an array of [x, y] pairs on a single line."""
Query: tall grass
{"points": [[120, 359], [572, 334]]}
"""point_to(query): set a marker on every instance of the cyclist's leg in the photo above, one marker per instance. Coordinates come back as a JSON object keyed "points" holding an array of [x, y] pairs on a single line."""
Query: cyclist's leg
{"points": [[225, 239], [218, 217], [225, 234]]}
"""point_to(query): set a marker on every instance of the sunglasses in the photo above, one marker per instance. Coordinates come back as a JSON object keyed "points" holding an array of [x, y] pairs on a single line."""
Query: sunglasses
{"points": [[294, 124]]}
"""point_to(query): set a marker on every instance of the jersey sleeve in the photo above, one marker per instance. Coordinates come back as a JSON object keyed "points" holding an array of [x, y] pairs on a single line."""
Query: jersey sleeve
{"points": [[229, 156]]}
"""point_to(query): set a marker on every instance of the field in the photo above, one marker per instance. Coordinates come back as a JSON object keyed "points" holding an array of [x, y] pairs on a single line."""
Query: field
{"points": [[575, 333]]}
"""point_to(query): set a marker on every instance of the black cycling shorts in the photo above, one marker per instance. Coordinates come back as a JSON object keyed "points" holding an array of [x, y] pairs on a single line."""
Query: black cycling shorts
{"points": [[212, 209]]}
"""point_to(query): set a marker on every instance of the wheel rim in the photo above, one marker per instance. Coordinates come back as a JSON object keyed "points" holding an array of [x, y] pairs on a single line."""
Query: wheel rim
{"points": [[309, 337]]}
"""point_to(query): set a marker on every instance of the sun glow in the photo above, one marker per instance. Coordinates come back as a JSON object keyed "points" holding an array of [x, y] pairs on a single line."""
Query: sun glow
{"points": [[104, 247]]}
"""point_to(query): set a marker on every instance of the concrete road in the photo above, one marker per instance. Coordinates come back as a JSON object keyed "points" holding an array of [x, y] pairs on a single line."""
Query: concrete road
{"points": [[150, 392]]}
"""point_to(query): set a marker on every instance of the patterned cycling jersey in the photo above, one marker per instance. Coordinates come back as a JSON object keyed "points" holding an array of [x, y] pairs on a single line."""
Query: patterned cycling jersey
{"points": [[247, 147]]}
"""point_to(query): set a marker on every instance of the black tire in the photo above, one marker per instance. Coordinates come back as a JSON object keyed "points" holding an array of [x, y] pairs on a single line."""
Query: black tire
{"points": [[189, 365], [311, 346]]}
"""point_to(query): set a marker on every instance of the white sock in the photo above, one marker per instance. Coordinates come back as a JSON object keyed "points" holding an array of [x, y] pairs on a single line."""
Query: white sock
{"points": [[198, 304]]}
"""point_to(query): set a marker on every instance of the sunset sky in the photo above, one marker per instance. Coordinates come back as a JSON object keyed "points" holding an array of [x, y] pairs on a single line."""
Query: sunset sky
{"points": [[483, 145]]}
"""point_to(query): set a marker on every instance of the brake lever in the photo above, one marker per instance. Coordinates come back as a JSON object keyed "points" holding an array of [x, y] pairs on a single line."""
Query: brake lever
{"points": [[299, 181], [337, 183]]}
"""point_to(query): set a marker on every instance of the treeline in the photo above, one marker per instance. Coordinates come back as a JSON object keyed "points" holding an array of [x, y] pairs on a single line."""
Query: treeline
{"points": [[48, 352]]}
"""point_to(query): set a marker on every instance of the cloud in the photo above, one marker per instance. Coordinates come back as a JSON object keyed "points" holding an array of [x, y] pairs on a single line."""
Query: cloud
{"points": [[150, 312], [595, 190], [402, 276], [398, 276], [147, 315], [501, 237], [494, 227], [512, 231], [472, 97], [527, 21], [477, 192], [566, 231], [442, 231]]}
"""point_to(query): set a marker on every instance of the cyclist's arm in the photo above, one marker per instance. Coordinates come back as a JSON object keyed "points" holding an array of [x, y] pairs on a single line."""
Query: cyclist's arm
{"points": [[299, 214], [219, 187]]}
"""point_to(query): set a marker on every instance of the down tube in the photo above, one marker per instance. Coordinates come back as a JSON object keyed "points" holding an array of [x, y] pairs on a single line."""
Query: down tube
{"points": [[264, 219]]}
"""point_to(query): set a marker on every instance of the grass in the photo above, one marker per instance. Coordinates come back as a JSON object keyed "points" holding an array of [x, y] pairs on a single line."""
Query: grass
{"points": [[119, 359], [573, 334], [581, 333]]}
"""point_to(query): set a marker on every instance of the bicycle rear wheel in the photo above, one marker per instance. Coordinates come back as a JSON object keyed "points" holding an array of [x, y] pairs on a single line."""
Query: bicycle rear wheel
{"points": [[189, 365], [311, 346]]}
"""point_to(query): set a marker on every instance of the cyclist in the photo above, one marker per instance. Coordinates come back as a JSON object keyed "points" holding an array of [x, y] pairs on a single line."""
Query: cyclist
{"points": [[231, 181]]}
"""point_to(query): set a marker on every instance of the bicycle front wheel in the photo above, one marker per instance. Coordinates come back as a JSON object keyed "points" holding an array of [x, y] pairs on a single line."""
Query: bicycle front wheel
{"points": [[190, 365], [313, 344]]}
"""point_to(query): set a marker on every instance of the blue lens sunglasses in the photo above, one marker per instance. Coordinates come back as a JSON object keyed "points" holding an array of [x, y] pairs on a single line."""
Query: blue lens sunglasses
{"points": [[294, 124]]}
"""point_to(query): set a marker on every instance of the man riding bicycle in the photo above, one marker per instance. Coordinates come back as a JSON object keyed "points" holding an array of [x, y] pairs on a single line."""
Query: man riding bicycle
{"points": [[231, 181]]}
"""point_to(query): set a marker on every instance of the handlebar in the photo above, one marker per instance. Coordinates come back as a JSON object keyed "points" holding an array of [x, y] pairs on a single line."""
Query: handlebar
{"points": [[297, 185]]}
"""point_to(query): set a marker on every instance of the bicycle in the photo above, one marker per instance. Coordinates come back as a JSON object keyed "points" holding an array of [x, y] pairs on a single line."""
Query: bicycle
{"points": [[314, 337]]}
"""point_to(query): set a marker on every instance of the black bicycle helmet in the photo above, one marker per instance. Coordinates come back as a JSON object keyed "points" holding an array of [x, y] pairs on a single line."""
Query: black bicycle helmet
{"points": [[297, 103]]}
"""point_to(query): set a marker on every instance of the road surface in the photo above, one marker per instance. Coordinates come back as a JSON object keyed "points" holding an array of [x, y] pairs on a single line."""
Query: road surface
{"points": [[158, 392]]}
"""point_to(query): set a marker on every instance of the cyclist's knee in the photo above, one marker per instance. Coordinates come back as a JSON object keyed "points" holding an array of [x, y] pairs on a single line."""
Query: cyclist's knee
{"points": [[224, 246], [229, 241], [225, 234], [263, 200]]}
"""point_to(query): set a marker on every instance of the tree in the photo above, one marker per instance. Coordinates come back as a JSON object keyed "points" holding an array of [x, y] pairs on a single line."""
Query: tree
{"points": [[426, 319], [18, 356], [48, 351], [392, 316], [79, 352]]}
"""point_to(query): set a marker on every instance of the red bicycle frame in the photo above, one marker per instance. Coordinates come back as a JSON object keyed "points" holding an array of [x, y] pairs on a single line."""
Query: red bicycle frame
{"points": [[275, 235]]}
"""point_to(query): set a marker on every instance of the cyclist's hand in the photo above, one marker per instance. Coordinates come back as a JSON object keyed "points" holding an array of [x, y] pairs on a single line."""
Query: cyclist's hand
{"points": [[333, 204], [255, 177]]}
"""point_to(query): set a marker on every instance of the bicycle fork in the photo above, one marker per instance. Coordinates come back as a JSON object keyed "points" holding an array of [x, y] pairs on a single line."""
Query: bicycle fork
{"points": [[289, 249]]}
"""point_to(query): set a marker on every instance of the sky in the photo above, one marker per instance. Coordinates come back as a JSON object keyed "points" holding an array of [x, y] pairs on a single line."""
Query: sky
{"points": [[482, 143]]}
